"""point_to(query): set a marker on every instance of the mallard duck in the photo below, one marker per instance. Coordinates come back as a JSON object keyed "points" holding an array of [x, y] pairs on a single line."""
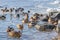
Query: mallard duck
{"points": [[11, 9], [36, 14], [32, 19], [2, 17], [46, 27], [50, 27], [31, 24], [25, 21], [10, 29], [40, 27], [13, 33], [20, 26], [26, 16]]}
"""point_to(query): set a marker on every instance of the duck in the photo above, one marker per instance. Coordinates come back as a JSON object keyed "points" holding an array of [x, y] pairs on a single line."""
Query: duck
{"points": [[46, 19], [10, 29], [49, 20], [39, 27], [32, 19], [50, 27], [20, 26], [36, 14], [31, 24], [53, 21], [25, 21], [12, 33], [46, 27], [2, 17], [26, 16], [11, 9], [18, 15]]}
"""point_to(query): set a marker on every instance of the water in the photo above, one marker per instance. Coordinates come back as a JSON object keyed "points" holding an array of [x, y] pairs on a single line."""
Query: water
{"points": [[28, 34], [39, 6]]}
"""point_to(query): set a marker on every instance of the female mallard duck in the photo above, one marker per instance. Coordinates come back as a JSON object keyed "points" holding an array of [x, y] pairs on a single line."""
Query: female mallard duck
{"points": [[40, 27], [32, 19], [36, 16], [20, 26], [45, 27], [13, 33], [26, 16], [25, 21], [31, 24], [10, 29]]}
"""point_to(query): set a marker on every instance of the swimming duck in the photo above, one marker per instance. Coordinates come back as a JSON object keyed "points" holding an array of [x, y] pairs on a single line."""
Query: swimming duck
{"points": [[45, 27], [31, 24], [2, 17], [20, 26], [13, 33], [25, 21], [10, 29], [32, 19]]}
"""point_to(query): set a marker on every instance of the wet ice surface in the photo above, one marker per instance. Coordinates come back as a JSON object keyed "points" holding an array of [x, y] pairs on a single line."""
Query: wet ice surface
{"points": [[27, 34]]}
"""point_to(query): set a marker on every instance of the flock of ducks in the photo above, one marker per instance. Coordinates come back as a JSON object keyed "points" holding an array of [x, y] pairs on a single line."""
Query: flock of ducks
{"points": [[31, 22]]}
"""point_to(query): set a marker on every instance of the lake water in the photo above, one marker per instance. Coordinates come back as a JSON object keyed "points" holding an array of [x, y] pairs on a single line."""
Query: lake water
{"points": [[28, 34]]}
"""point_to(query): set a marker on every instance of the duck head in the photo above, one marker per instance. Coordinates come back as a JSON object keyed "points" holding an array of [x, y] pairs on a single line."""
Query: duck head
{"points": [[10, 29]]}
